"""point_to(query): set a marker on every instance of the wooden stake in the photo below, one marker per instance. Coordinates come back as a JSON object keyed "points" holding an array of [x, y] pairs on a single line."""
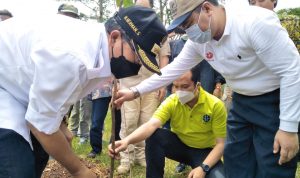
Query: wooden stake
{"points": [[113, 126]]}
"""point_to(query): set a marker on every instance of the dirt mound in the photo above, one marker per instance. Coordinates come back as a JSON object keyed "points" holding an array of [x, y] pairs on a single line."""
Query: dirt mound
{"points": [[55, 170]]}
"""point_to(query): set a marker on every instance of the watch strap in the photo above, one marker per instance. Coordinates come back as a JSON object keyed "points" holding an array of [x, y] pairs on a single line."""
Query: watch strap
{"points": [[136, 93]]}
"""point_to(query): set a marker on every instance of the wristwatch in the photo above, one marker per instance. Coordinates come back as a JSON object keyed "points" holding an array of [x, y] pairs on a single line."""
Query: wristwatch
{"points": [[205, 168], [136, 93]]}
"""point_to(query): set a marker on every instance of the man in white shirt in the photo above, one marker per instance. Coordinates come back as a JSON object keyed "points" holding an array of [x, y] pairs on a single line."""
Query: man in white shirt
{"points": [[49, 63], [254, 53]]}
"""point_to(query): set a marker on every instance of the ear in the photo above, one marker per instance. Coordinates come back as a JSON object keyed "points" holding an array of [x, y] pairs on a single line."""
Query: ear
{"points": [[114, 37], [207, 7]]}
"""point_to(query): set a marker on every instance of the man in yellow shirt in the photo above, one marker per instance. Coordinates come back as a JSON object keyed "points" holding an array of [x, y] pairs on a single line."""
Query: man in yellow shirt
{"points": [[198, 129]]}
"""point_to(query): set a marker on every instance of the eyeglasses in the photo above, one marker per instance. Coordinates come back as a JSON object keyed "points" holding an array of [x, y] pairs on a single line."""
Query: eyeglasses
{"points": [[186, 24], [190, 21]]}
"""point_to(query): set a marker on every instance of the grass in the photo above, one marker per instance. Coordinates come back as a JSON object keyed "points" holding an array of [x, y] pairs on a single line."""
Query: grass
{"points": [[104, 160], [136, 171]]}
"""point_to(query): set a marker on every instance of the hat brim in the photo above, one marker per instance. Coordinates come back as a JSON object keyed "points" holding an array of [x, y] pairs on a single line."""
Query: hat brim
{"points": [[69, 11], [178, 21], [147, 59]]}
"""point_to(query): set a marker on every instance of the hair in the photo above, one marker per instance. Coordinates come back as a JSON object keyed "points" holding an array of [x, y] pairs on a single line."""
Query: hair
{"points": [[275, 4], [196, 74], [111, 25]]}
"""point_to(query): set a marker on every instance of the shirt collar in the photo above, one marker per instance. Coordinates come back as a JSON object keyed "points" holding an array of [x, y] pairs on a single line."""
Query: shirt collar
{"points": [[201, 96], [228, 24]]}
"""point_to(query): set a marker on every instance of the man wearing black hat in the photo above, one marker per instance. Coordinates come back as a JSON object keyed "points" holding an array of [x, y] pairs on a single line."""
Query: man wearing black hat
{"points": [[253, 52], [44, 70]]}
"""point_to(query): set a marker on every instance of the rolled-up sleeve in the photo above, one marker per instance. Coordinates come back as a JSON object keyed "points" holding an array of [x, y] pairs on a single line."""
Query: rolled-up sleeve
{"points": [[56, 85]]}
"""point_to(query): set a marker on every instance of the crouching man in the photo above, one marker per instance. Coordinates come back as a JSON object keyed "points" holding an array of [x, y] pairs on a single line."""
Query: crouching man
{"points": [[198, 130]]}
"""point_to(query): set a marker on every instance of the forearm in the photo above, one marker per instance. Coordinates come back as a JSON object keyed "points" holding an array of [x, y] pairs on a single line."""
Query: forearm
{"points": [[142, 133], [215, 155], [57, 146], [163, 61]]}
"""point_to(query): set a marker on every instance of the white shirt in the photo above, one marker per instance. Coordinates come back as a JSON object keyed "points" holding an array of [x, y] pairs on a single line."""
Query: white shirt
{"points": [[255, 55], [46, 66]]}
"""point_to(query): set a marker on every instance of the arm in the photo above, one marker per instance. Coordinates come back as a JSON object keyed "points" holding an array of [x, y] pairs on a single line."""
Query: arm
{"points": [[161, 115], [67, 133], [218, 90], [187, 59], [278, 53], [51, 94], [61, 153], [216, 153], [219, 81], [219, 118], [212, 158], [140, 134]]}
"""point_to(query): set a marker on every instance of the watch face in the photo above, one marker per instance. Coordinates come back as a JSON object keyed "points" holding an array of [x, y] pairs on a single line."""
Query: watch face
{"points": [[205, 167]]}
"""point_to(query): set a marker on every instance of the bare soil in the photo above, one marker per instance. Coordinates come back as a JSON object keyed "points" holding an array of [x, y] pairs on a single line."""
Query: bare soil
{"points": [[55, 170]]}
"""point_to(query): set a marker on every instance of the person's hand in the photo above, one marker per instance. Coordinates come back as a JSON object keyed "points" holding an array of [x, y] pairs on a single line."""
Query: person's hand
{"points": [[288, 145], [218, 92], [123, 95], [120, 145], [161, 94], [197, 173], [84, 173]]}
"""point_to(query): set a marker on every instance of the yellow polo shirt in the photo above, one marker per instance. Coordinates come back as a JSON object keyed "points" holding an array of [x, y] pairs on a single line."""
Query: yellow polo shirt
{"points": [[197, 127]]}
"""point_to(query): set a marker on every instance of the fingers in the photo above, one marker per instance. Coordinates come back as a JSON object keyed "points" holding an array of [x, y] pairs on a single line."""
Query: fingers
{"points": [[191, 174], [118, 102], [287, 144], [118, 148], [286, 154], [276, 146], [291, 155], [113, 154], [283, 156]]}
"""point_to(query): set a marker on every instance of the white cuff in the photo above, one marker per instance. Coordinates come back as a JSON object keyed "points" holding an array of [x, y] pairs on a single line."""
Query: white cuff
{"points": [[289, 126]]}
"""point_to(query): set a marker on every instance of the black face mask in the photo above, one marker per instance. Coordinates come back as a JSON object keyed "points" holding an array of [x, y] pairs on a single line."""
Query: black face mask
{"points": [[122, 68]]}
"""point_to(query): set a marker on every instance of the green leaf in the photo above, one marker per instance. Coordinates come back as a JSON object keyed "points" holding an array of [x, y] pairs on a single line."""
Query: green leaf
{"points": [[126, 3]]}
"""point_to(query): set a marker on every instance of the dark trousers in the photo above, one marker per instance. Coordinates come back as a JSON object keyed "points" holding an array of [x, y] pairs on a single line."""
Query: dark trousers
{"points": [[17, 160], [164, 143], [99, 111], [251, 127]]}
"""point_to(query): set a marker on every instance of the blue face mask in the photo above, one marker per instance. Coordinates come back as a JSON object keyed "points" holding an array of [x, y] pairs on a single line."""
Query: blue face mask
{"points": [[197, 35]]}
